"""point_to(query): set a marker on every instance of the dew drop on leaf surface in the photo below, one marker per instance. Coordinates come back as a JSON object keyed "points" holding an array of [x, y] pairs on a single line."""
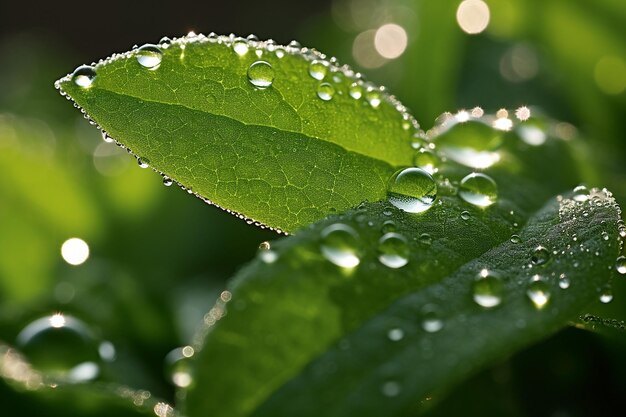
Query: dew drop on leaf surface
{"points": [[340, 245], [412, 190], [540, 256], [318, 69], [393, 250], [487, 289], [538, 292], [478, 189], [261, 74], [325, 91]]}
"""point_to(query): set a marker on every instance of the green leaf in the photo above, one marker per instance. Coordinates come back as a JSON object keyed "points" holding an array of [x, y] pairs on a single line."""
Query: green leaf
{"points": [[304, 337], [302, 309], [280, 156]]}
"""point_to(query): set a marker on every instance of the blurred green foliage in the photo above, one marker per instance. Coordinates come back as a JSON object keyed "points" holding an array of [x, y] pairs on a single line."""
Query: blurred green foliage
{"points": [[159, 258]]}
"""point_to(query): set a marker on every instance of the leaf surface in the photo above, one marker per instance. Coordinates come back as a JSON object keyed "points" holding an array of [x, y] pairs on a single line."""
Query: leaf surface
{"points": [[280, 156]]}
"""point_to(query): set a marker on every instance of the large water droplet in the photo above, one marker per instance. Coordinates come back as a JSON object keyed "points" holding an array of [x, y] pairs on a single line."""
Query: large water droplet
{"points": [[471, 143], [620, 264], [149, 56], [412, 190], [325, 91], [431, 320], [478, 189], [487, 289], [318, 69], [340, 245], [261, 74], [538, 291], [178, 367], [540, 255], [61, 346], [393, 250], [84, 76]]}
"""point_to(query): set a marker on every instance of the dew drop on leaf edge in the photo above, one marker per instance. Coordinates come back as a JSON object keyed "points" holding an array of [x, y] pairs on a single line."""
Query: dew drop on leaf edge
{"points": [[149, 56], [261, 74], [412, 190], [84, 76]]}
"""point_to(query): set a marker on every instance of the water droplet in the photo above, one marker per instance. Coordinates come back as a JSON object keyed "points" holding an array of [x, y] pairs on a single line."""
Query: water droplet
{"points": [[84, 76], [471, 143], [487, 289], [412, 190], [143, 162], [167, 181], [75, 251], [620, 265], [427, 160], [426, 239], [581, 194], [355, 91], [268, 256], [431, 321], [265, 245], [318, 69], [395, 334], [540, 255], [515, 239], [388, 226], [178, 367], [106, 137], [391, 389], [478, 189], [605, 236], [325, 91], [165, 42], [538, 292], [393, 250], [340, 245], [149, 56], [240, 46], [465, 215], [261, 74], [61, 346], [373, 97], [606, 296], [564, 282]]}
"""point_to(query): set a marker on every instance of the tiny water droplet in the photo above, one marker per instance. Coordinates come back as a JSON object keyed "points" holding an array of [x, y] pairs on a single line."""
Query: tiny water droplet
{"points": [[240, 46], [620, 265], [391, 389], [149, 56], [178, 366], [478, 189], [605, 236], [265, 245], [538, 292], [540, 255], [355, 91], [373, 97], [395, 334], [427, 160], [318, 69], [167, 181], [106, 137], [581, 194], [388, 226], [487, 289], [606, 296], [261, 74], [564, 282], [84, 76], [340, 245], [412, 190], [465, 215], [515, 239], [393, 250], [325, 91], [62, 346], [143, 162], [165, 42], [431, 321], [426, 239]]}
